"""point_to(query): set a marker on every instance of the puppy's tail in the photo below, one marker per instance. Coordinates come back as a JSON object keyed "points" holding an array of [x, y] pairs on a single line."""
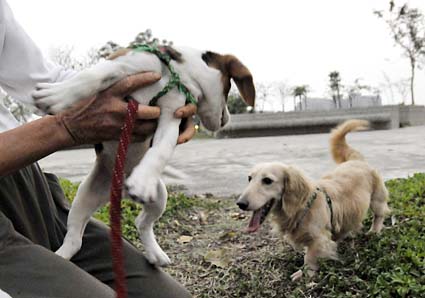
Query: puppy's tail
{"points": [[340, 150]]}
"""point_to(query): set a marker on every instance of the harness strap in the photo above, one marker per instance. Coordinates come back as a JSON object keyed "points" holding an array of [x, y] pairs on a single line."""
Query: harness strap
{"points": [[310, 203], [329, 201], [174, 76]]}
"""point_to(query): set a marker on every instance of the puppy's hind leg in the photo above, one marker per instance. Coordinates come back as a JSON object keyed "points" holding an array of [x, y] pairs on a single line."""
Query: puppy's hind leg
{"points": [[379, 205], [152, 211], [92, 194]]}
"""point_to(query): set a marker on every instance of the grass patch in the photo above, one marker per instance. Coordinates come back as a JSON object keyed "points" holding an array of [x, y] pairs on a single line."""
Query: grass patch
{"points": [[201, 135], [218, 259]]}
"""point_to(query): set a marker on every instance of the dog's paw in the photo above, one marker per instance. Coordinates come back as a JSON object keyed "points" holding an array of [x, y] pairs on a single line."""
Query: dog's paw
{"points": [[156, 256], [4, 294], [55, 97], [297, 275], [68, 250], [142, 189]]}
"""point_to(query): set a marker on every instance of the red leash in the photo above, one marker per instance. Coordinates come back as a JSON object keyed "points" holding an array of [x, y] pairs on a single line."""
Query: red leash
{"points": [[116, 191]]}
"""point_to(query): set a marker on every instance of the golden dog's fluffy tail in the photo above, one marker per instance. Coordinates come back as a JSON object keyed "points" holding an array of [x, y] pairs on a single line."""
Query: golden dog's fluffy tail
{"points": [[340, 150]]}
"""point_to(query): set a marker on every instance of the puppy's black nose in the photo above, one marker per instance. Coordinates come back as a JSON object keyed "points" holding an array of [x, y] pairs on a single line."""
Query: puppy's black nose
{"points": [[243, 205]]}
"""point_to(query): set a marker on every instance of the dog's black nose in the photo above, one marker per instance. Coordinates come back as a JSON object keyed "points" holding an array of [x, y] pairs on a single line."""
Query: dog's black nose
{"points": [[243, 205]]}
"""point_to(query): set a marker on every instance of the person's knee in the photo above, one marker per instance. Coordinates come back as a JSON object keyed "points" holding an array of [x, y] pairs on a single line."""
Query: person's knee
{"points": [[145, 280], [161, 285]]}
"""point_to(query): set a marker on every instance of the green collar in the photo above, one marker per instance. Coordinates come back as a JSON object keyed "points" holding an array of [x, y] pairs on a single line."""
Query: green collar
{"points": [[310, 203], [174, 77]]}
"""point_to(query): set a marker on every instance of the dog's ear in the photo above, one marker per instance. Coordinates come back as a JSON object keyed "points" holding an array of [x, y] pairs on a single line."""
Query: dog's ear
{"points": [[295, 190], [242, 77], [231, 68]]}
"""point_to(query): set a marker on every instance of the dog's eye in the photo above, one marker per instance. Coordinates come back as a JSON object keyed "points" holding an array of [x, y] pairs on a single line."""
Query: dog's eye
{"points": [[267, 181], [249, 178]]}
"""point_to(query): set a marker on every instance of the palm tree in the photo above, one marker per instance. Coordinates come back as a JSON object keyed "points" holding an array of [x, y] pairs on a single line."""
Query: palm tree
{"points": [[335, 85], [300, 92]]}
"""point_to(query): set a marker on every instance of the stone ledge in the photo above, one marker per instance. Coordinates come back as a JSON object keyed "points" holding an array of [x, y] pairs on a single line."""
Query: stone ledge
{"points": [[272, 124]]}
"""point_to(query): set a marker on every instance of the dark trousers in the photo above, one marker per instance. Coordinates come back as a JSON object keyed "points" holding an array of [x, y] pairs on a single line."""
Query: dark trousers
{"points": [[33, 215]]}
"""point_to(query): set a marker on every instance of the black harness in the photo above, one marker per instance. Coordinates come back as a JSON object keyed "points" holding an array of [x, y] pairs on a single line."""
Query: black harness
{"points": [[310, 203]]}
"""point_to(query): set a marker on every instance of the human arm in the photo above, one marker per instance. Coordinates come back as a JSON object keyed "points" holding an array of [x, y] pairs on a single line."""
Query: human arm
{"points": [[93, 120]]}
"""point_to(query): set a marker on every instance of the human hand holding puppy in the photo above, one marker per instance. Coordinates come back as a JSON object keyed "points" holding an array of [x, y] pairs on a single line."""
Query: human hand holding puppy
{"points": [[101, 117], [93, 120]]}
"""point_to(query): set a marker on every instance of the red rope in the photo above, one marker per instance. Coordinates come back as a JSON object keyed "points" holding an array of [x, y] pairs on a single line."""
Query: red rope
{"points": [[115, 209]]}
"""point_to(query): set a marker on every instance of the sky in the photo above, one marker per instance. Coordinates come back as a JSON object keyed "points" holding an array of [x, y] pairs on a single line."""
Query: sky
{"points": [[295, 42]]}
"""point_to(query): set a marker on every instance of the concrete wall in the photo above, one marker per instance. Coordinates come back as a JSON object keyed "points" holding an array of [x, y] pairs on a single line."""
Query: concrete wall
{"points": [[280, 123], [412, 115], [325, 104]]}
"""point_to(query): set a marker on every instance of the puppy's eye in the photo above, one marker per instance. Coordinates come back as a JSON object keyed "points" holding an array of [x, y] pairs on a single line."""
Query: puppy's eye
{"points": [[267, 181], [249, 178]]}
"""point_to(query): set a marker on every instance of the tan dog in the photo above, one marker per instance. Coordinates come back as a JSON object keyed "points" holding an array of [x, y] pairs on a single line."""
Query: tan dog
{"points": [[313, 215]]}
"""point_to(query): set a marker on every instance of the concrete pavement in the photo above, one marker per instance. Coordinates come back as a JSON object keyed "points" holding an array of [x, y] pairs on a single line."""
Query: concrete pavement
{"points": [[220, 166]]}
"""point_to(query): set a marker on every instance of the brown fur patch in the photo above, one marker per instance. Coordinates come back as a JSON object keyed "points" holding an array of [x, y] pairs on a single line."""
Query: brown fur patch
{"points": [[118, 53], [173, 53], [231, 68]]}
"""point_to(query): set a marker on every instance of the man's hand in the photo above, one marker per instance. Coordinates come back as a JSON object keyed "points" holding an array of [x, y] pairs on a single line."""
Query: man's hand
{"points": [[92, 121], [101, 117], [187, 128]]}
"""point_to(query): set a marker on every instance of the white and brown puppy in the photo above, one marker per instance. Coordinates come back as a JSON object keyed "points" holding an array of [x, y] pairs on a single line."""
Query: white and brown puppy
{"points": [[207, 75], [313, 215]]}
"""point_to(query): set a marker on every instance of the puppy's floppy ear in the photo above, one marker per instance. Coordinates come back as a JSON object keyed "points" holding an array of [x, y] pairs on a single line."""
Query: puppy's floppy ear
{"points": [[242, 77], [285, 182], [231, 68], [295, 190]]}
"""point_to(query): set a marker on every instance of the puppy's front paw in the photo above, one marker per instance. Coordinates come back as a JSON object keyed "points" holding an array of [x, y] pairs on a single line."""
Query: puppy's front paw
{"points": [[142, 189], [69, 249], [156, 256], [297, 275], [53, 98]]}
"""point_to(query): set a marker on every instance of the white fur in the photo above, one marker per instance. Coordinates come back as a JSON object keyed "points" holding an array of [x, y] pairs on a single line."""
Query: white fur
{"points": [[4, 294], [145, 164]]}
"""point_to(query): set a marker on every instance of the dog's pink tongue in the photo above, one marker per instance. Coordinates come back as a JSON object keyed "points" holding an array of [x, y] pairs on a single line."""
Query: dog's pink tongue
{"points": [[254, 223]]}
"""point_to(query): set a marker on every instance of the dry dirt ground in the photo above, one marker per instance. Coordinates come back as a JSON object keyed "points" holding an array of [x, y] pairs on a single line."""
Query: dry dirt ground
{"points": [[213, 256]]}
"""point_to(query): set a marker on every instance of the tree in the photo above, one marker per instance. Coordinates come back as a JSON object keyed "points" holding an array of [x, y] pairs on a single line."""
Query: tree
{"points": [[402, 87], [335, 85], [300, 92], [399, 87], [284, 90], [262, 91], [147, 37], [235, 104], [64, 56], [407, 28], [108, 49], [355, 90], [144, 37], [388, 87]]}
